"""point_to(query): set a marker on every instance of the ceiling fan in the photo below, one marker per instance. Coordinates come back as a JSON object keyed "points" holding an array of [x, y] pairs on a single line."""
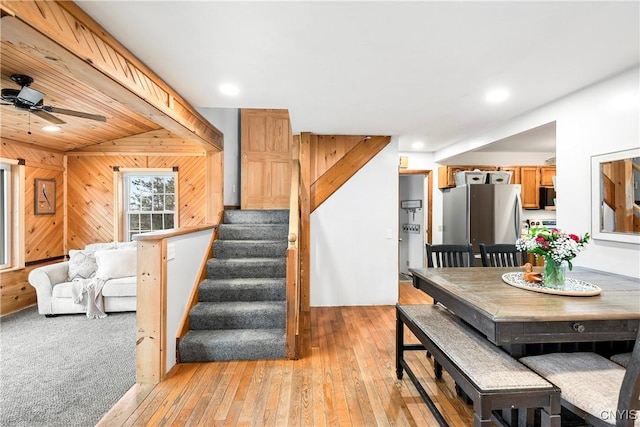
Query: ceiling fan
{"points": [[31, 100]]}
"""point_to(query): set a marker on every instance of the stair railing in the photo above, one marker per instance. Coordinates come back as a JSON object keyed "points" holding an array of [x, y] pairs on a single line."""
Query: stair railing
{"points": [[293, 261]]}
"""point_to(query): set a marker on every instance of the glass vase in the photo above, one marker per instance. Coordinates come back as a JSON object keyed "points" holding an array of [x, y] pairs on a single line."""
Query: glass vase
{"points": [[553, 275]]}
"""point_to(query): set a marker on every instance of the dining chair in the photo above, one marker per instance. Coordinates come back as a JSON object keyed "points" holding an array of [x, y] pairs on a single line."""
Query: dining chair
{"points": [[501, 255], [449, 256]]}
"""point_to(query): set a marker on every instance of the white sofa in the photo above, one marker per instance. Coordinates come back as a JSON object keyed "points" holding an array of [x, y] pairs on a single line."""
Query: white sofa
{"points": [[60, 286]]}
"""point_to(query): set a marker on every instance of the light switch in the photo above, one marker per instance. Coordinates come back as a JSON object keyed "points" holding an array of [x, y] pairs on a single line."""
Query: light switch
{"points": [[171, 251]]}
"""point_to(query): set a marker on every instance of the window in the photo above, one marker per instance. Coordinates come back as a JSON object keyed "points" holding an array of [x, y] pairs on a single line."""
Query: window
{"points": [[12, 208], [5, 215], [149, 202]]}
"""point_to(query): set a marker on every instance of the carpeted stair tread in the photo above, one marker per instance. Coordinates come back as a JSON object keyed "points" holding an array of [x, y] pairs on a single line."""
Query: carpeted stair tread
{"points": [[238, 315], [241, 313], [234, 344], [253, 231], [263, 216], [246, 267], [250, 248], [242, 289]]}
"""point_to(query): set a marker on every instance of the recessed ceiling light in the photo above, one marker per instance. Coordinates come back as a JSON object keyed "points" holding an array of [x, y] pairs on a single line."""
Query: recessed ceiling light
{"points": [[497, 95], [51, 128], [417, 145], [229, 89]]}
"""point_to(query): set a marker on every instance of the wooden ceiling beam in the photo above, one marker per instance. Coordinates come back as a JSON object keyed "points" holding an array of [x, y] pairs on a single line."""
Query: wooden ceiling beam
{"points": [[63, 34]]}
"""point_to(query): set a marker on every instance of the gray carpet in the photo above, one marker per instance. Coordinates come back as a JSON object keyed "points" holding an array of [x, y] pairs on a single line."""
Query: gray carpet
{"points": [[241, 312], [63, 371]]}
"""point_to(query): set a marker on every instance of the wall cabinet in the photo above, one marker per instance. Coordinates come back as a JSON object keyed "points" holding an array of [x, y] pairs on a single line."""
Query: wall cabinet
{"points": [[546, 175], [515, 173], [447, 174], [530, 182], [531, 178]]}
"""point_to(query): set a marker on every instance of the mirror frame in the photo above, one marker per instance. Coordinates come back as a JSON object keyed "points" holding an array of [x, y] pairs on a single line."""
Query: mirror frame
{"points": [[596, 197]]}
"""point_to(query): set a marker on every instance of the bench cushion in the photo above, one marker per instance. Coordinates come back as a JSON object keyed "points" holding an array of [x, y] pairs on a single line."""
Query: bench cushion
{"points": [[486, 365], [587, 380], [622, 359]]}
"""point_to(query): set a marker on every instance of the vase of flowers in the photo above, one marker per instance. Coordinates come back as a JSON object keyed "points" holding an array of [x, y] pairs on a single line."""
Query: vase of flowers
{"points": [[557, 248]]}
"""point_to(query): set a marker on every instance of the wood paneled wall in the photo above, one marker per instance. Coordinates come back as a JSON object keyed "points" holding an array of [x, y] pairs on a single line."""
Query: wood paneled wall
{"points": [[43, 233], [326, 150], [91, 192]]}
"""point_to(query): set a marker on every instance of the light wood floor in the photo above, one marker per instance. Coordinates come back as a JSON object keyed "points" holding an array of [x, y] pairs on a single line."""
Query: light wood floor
{"points": [[347, 378]]}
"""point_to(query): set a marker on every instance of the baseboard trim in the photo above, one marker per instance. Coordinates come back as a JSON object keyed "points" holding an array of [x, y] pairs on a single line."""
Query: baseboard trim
{"points": [[45, 261]]}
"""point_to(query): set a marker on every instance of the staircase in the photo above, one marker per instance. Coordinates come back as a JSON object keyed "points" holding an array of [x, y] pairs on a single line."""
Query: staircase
{"points": [[241, 312]]}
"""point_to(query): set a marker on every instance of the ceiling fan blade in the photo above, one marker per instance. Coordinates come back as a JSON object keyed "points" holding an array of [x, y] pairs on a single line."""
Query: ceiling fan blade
{"points": [[48, 117], [96, 117]]}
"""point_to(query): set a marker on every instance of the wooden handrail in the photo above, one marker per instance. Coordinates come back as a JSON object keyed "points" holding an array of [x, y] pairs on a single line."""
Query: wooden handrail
{"points": [[293, 260]]}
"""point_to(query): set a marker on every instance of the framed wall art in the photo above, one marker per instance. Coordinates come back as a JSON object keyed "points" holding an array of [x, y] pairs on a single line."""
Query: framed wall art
{"points": [[45, 196]]}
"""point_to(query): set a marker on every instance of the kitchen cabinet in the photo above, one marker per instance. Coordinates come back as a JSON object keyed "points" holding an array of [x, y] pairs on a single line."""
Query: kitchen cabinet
{"points": [[515, 173], [546, 175], [530, 182], [530, 178], [447, 174]]}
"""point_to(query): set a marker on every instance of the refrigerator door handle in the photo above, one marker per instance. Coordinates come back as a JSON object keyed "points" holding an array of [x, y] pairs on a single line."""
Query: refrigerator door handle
{"points": [[518, 214]]}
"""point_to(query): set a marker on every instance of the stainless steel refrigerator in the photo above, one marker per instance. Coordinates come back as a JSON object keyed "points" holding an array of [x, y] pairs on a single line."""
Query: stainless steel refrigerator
{"points": [[481, 213]]}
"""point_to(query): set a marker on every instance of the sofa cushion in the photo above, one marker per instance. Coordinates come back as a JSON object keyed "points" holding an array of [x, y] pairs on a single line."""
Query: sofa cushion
{"points": [[100, 246], [122, 287], [82, 264], [126, 245], [116, 263]]}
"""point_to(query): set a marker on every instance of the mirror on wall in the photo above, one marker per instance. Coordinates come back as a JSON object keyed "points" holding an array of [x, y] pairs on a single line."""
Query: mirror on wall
{"points": [[615, 196]]}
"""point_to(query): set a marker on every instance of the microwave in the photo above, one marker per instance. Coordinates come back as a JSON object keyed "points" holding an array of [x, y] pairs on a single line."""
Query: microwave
{"points": [[547, 197]]}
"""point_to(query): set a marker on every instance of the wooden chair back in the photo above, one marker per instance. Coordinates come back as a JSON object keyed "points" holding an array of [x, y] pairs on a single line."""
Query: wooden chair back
{"points": [[449, 256], [501, 255]]}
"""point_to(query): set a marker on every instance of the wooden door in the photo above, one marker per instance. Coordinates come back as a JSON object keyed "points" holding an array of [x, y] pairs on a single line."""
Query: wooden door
{"points": [[266, 159]]}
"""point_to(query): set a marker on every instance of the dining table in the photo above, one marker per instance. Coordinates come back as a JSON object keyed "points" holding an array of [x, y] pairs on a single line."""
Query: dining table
{"points": [[520, 319]]}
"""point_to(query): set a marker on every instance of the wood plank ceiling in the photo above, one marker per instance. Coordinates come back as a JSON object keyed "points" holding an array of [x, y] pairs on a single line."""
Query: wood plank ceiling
{"points": [[63, 91]]}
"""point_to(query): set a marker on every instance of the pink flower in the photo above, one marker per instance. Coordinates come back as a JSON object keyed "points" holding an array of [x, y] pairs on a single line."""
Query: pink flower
{"points": [[574, 237], [540, 239]]}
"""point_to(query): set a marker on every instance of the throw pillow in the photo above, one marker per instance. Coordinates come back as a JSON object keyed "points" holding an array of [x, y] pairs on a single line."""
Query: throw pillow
{"points": [[82, 264], [116, 263]]}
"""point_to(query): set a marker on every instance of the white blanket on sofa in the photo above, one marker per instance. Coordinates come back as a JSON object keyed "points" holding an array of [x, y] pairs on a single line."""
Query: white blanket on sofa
{"points": [[88, 292]]}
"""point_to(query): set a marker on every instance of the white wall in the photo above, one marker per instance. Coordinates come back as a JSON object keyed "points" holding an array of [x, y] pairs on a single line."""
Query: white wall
{"points": [[182, 275], [354, 238], [501, 159], [588, 122], [227, 120]]}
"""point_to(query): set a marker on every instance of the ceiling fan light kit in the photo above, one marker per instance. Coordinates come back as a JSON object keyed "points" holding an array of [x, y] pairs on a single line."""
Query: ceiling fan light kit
{"points": [[30, 96]]}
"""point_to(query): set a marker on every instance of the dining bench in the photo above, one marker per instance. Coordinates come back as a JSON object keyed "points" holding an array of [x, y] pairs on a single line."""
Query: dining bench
{"points": [[490, 377]]}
